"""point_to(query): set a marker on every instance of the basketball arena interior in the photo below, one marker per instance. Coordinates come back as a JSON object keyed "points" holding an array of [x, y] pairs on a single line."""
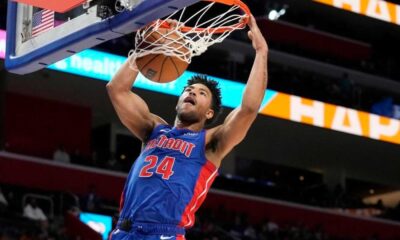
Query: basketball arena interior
{"points": [[320, 162]]}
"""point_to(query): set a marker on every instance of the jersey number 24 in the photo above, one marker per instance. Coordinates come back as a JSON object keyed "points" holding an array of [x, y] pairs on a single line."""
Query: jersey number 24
{"points": [[164, 168]]}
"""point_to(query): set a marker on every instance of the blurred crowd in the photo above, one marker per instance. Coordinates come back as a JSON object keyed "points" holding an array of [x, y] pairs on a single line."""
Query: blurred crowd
{"points": [[33, 220], [254, 178], [38, 214], [221, 224]]}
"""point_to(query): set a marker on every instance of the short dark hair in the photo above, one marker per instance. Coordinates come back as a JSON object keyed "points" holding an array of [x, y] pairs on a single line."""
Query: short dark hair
{"points": [[215, 90]]}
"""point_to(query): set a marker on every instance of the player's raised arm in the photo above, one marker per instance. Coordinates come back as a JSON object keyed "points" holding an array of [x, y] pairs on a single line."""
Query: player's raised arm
{"points": [[131, 109], [238, 122]]}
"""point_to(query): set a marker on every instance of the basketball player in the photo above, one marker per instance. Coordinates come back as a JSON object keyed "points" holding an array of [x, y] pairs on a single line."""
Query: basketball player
{"points": [[171, 177]]}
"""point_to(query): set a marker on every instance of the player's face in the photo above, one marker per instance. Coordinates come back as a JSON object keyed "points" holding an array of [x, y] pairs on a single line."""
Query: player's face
{"points": [[194, 104]]}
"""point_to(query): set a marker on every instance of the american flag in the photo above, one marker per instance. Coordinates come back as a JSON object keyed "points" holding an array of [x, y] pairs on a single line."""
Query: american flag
{"points": [[42, 21]]}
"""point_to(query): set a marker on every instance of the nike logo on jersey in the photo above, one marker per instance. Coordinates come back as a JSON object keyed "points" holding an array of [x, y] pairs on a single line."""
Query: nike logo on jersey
{"points": [[165, 130], [191, 134], [165, 237]]}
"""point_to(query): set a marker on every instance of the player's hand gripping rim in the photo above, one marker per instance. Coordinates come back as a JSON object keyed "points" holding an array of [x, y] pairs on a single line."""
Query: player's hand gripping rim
{"points": [[256, 37]]}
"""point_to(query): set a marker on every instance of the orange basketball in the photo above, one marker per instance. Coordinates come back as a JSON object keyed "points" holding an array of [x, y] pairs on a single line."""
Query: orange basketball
{"points": [[159, 67]]}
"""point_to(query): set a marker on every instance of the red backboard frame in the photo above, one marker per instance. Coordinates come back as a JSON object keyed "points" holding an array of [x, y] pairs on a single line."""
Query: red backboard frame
{"points": [[55, 5]]}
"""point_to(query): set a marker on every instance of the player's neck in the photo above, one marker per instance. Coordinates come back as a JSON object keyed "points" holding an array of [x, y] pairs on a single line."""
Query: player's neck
{"points": [[196, 127]]}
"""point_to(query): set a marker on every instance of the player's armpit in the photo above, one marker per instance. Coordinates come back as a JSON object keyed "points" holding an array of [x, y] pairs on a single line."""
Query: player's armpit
{"points": [[223, 138]]}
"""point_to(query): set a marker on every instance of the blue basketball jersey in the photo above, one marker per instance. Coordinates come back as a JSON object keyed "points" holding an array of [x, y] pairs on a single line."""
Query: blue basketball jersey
{"points": [[170, 179]]}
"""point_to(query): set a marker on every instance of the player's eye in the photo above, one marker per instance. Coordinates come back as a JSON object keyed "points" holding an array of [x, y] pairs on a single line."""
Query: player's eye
{"points": [[203, 93]]}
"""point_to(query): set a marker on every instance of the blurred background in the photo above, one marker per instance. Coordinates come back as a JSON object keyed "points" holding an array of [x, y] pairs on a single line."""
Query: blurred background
{"points": [[64, 151]]}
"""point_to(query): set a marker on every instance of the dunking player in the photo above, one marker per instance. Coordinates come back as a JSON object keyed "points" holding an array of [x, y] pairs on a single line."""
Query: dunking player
{"points": [[171, 177]]}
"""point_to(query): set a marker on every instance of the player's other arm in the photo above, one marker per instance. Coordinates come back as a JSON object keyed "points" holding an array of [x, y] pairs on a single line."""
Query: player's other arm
{"points": [[238, 122], [131, 109]]}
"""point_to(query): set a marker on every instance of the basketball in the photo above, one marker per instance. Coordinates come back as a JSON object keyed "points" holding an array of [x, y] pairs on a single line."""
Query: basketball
{"points": [[159, 67]]}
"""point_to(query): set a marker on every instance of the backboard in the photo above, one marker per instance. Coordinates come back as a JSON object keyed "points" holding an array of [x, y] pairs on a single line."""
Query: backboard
{"points": [[38, 37]]}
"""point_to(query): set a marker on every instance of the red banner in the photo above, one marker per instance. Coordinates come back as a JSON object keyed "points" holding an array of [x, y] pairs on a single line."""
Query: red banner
{"points": [[58, 6]]}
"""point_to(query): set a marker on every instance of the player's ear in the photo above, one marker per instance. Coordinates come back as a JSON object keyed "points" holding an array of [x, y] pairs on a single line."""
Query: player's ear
{"points": [[176, 106], [209, 114]]}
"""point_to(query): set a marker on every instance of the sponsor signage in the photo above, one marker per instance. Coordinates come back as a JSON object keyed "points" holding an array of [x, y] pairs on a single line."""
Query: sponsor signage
{"points": [[102, 66], [100, 223], [333, 117], [2, 44], [378, 9]]}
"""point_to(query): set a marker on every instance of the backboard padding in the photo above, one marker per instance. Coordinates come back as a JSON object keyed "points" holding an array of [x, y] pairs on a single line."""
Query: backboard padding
{"points": [[55, 5]]}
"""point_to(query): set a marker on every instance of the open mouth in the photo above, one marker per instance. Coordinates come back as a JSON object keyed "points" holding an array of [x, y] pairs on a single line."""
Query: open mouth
{"points": [[189, 100]]}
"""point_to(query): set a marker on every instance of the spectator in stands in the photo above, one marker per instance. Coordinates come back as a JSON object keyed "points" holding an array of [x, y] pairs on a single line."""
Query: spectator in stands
{"points": [[3, 202], [75, 211], [13, 206], [237, 229], [272, 226], [91, 201], [60, 155], [70, 201], [264, 232], [34, 212], [250, 232]]}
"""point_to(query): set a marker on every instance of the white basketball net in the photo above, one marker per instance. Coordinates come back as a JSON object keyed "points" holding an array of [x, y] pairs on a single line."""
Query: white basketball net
{"points": [[190, 43]]}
